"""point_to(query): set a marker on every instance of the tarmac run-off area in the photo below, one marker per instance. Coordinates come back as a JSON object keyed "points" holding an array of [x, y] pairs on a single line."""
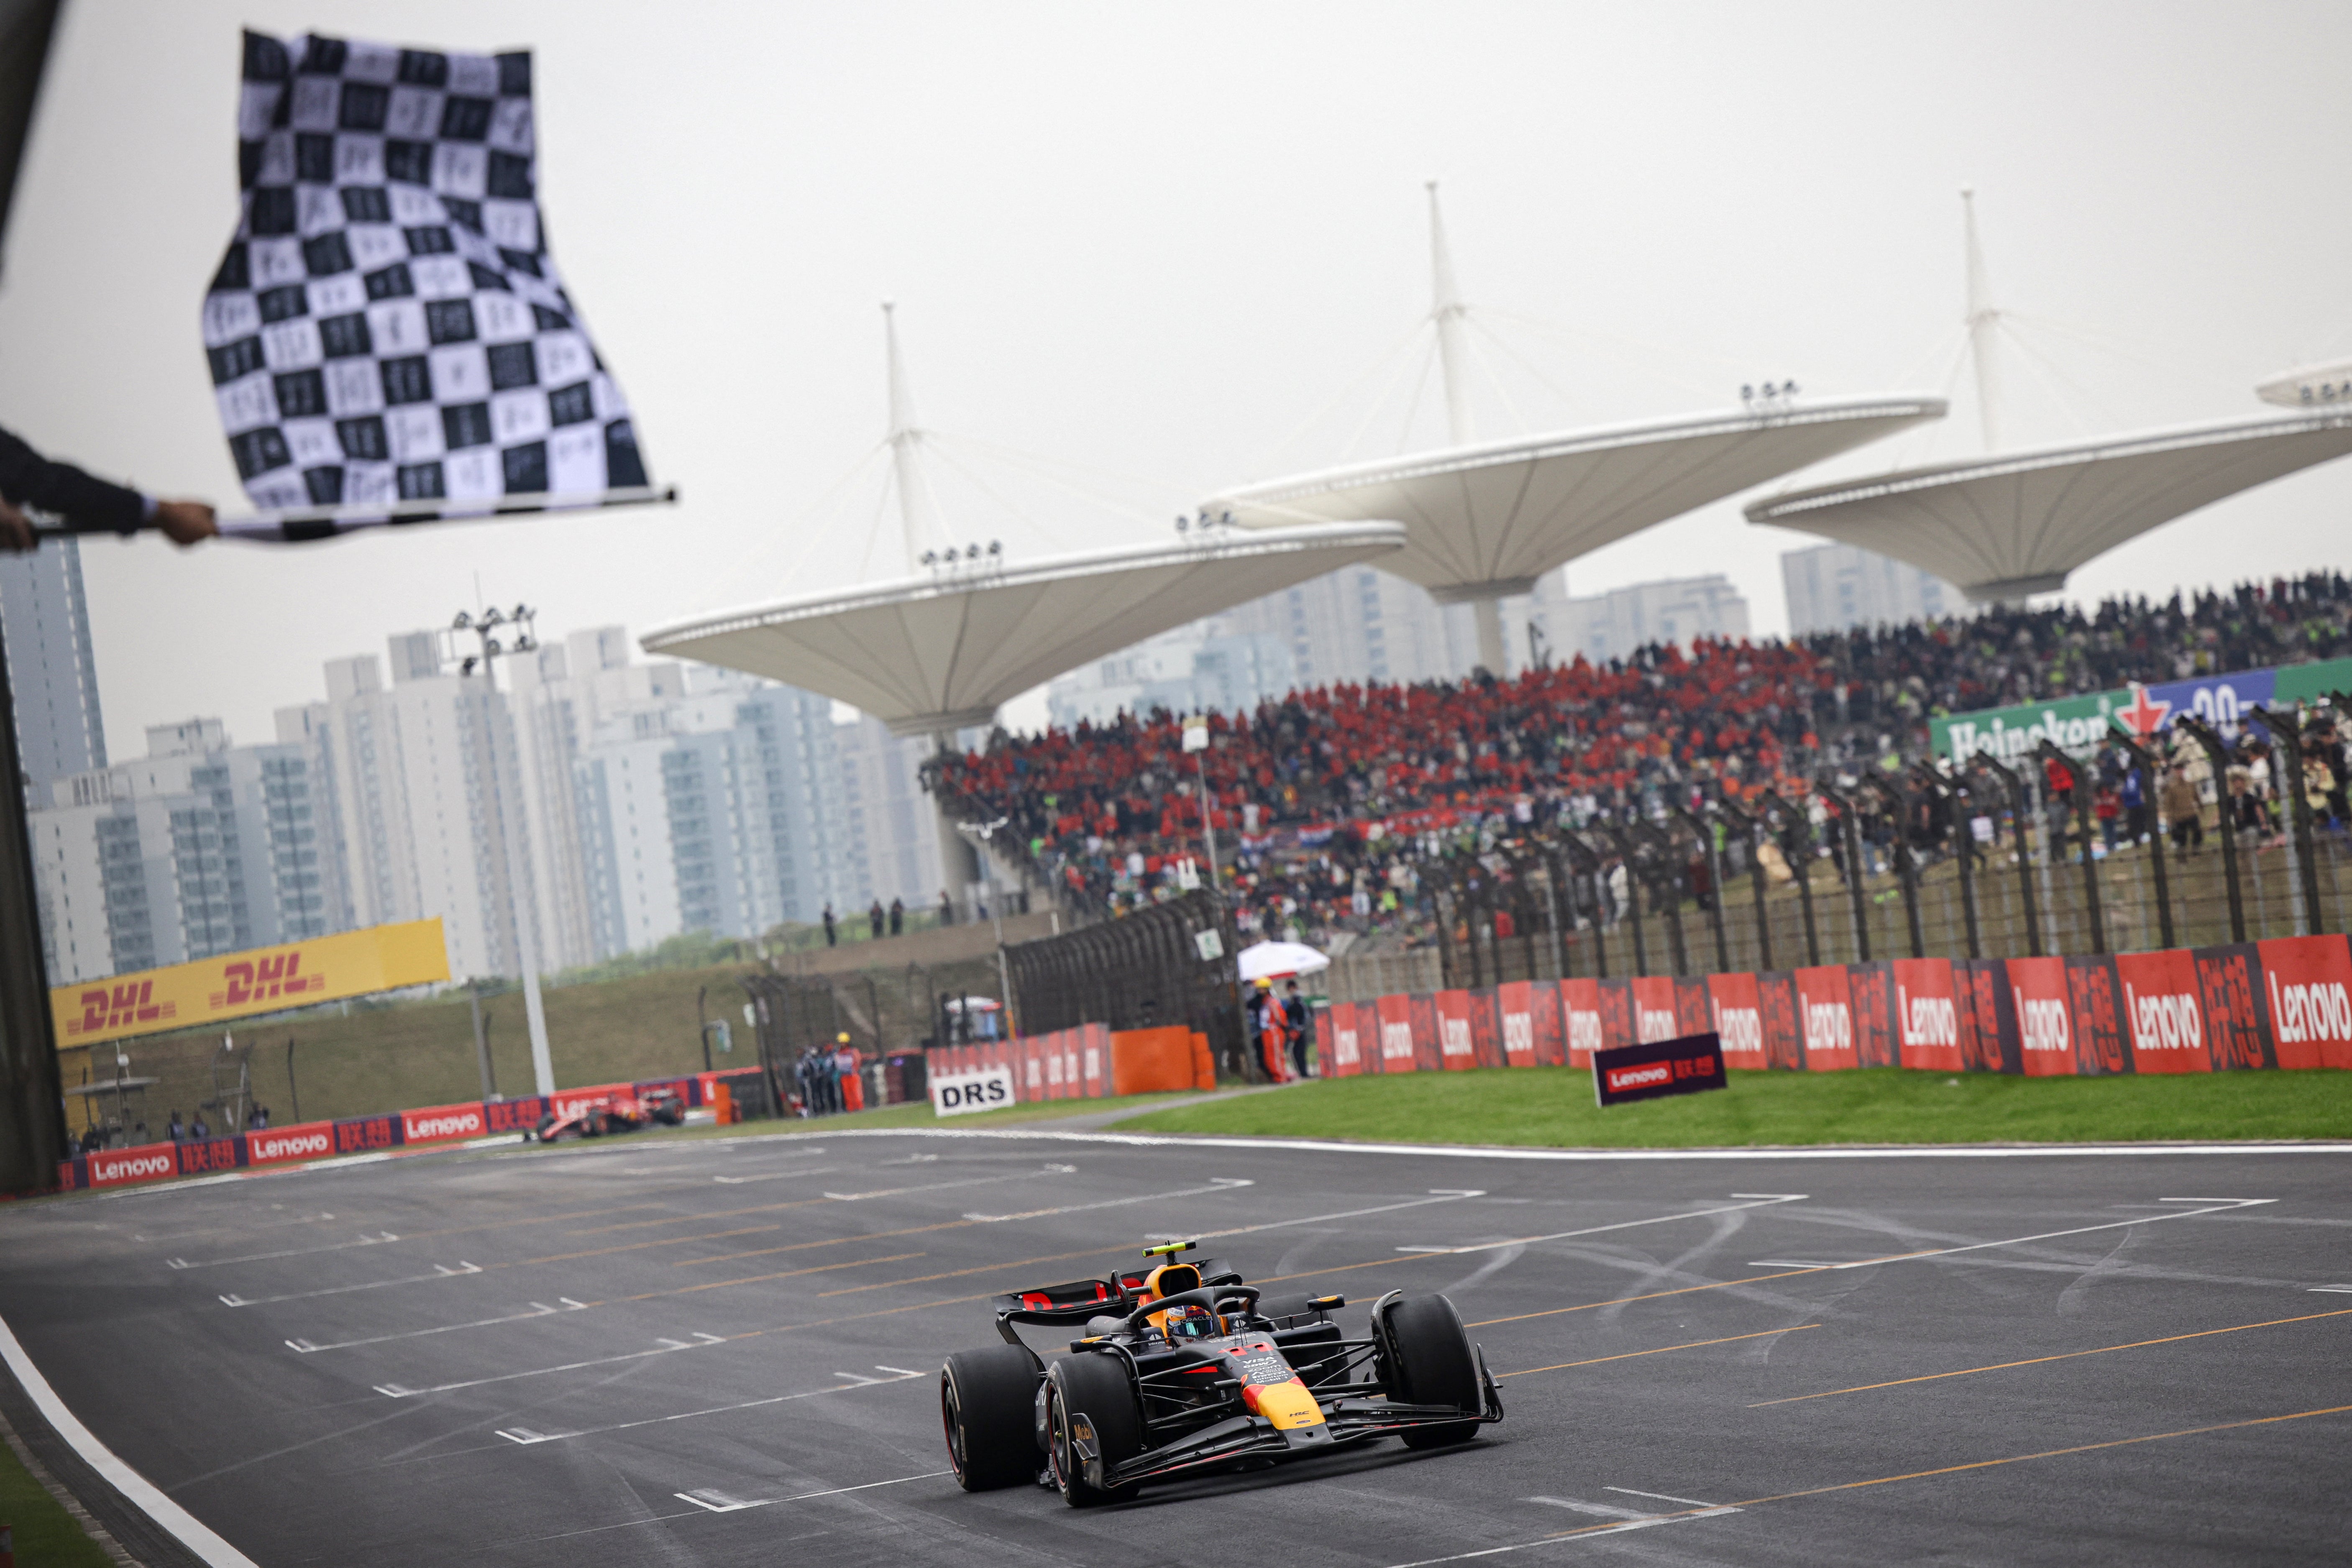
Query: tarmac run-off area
{"points": [[703, 1352]]}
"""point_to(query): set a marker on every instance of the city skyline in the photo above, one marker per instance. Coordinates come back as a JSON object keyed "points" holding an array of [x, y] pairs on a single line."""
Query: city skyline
{"points": [[1821, 252]]}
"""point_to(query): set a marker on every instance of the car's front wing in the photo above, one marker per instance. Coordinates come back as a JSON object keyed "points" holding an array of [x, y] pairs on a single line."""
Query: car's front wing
{"points": [[1236, 1437]]}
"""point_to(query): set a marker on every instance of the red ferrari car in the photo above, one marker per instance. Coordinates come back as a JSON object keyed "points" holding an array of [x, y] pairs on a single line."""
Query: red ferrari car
{"points": [[623, 1113]]}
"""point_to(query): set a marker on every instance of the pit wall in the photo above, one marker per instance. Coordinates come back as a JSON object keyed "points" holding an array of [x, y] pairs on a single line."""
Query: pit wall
{"points": [[294, 1143]]}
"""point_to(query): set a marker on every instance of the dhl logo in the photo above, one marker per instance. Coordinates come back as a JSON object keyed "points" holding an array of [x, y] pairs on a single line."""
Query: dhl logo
{"points": [[133, 1002], [273, 974]]}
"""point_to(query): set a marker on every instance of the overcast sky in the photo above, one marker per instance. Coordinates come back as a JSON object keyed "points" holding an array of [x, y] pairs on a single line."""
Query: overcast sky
{"points": [[1153, 242]]}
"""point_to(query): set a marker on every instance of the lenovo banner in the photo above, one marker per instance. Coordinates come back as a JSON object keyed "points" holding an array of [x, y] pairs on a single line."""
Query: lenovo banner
{"points": [[1653, 1069]]}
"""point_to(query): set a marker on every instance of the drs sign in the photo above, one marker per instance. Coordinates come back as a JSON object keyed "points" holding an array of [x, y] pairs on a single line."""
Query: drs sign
{"points": [[983, 1091]]}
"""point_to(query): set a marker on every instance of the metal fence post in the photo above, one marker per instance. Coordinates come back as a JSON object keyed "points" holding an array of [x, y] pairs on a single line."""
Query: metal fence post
{"points": [[2145, 765], [2288, 731], [1799, 832], [2019, 813], [1759, 880], [1703, 831], [1906, 864], [1850, 828]]}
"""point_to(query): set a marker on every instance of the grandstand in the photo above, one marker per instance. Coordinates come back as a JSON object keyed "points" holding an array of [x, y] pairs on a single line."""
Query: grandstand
{"points": [[1356, 806]]}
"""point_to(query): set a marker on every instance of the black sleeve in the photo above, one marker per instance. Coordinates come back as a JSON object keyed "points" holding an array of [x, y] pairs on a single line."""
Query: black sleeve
{"points": [[89, 505]]}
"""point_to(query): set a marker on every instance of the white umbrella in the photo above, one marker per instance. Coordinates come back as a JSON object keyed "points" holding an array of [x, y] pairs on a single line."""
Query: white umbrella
{"points": [[1269, 959], [972, 1005]]}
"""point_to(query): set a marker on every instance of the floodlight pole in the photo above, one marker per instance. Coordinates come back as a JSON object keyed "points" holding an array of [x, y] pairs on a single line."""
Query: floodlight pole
{"points": [[1983, 320], [524, 912]]}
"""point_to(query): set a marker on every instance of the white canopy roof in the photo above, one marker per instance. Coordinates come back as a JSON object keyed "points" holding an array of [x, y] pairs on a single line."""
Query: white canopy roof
{"points": [[941, 652], [1488, 518], [2004, 526]]}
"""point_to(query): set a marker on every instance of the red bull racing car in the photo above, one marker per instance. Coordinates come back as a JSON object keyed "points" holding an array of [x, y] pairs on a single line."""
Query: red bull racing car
{"points": [[623, 1113], [1184, 1370]]}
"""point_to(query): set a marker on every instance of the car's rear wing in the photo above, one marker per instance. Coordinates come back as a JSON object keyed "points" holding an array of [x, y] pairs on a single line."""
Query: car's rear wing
{"points": [[1081, 1299]]}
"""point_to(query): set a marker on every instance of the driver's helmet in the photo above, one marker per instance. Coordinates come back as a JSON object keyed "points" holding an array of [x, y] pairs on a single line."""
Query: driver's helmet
{"points": [[1189, 1322]]}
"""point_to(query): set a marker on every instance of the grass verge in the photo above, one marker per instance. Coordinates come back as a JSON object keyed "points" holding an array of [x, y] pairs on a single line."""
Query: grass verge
{"points": [[45, 1533], [1552, 1107]]}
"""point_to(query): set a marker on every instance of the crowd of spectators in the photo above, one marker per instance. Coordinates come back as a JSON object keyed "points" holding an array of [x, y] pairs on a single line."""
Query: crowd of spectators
{"points": [[1330, 804]]}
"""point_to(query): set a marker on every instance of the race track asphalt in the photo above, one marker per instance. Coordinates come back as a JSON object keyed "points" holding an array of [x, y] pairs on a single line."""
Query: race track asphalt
{"points": [[678, 1352]]}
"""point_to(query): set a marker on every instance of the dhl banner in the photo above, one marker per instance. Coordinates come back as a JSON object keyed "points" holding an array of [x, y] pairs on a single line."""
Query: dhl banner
{"points": [[241, 984]]}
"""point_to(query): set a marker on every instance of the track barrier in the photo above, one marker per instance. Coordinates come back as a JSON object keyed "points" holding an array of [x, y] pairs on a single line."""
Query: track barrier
{"points": [[438, 1124], [2284, 1003]]}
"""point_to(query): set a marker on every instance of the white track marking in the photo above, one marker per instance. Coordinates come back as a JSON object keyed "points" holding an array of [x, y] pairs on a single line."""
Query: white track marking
{"points": [[1604, 1510], [2222, 1206], [773, 1175], [440, 1271], [272, 1224], [1622, 1225], [289, 1252], [1452, 1196], [661, 1347], [2340, 1290], [1587, 1156], [526, 1437], [539, 1309], [1216, 1184], [136, 1488], [1792, 1263], [722, 1503], [1649, 1524], [962, 1181], [1662, 1497]]}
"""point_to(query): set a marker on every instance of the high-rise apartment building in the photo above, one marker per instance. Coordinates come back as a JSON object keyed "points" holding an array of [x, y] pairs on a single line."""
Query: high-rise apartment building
{"points": [[1831, 588], [52, 669], [199, 848], [1612, 624]]}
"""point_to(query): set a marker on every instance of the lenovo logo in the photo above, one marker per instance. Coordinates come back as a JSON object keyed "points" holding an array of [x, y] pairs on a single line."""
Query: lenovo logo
{"points": [[1742, 1028], [1619, 1079], [2172, 1023], [418, 1127], [1829, 1027], [1650, 1028], [1396, 1041], [266, 1146], [1519, 1033], [1344, 1046], [1929, 1020], [2321, 1011], [1583, 1032], [132, 1165], [2044, 1024], [1455, 1035]]}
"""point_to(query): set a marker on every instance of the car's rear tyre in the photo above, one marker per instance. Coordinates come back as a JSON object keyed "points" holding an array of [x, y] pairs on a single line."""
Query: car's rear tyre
{"points": [[595, 1125], [541, 1131], [1095, 1387], [988, 1403], [1432, 1364]]}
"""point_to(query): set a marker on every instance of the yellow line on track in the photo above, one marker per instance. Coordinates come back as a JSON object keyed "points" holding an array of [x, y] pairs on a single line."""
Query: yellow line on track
{"points": [[2062, 1355], [1628, 1355]]}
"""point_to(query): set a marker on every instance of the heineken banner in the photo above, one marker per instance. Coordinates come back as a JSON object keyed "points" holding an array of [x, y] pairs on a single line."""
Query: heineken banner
{"points": [[2080, 724]]}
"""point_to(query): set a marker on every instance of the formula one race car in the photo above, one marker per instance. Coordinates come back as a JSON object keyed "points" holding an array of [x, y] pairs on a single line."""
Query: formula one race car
{"points": [[1184, 1369], [623, 1113]]}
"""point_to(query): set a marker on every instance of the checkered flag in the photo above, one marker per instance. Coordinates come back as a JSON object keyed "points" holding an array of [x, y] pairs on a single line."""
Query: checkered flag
{"points": [[389, 337]]}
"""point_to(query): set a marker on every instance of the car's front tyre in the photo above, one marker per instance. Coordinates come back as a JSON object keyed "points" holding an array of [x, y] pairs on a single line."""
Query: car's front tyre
{"points": [[1432, 1364], [988, 1401], [1091, 1392]]}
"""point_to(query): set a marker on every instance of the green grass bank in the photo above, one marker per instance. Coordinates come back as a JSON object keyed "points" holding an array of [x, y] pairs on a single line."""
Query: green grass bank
{"points": [[1552, 1107]]}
